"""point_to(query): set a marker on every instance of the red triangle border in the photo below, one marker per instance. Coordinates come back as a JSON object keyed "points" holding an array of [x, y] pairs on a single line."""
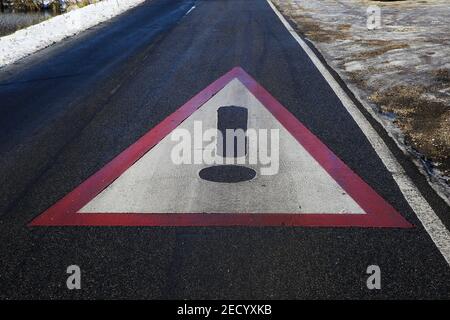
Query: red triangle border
{"points": [[379, 213]]}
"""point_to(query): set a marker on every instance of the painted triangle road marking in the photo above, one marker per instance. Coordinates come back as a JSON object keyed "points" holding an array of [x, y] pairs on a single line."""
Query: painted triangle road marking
{"points": [[144, 187], [155, 184]]}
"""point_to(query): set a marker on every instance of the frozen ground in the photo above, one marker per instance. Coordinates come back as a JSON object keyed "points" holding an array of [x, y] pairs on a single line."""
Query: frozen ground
{"points": [[402, 68], [26, 41]]}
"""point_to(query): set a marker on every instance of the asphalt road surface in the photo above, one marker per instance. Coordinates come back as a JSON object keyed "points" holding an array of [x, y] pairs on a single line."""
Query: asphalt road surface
{"points": [[70, 109]]}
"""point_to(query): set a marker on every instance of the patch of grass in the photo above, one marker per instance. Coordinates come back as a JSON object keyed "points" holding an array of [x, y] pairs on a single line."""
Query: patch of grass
{"points": [[425, 122], [314, 31], [25, 5], [387, 46], [344, 27], [442, 75], [358, 78]]}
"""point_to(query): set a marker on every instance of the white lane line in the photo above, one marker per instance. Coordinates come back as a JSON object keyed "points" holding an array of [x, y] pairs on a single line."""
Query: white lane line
{"points": [[431, 222], [189, 11]]}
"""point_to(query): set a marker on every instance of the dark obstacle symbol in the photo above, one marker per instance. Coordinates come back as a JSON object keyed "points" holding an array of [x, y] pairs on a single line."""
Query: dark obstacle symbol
{"points": [[230, 118]]}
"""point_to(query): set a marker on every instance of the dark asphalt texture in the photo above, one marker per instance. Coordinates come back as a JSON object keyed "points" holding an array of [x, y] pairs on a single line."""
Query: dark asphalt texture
{"points": [[69, 109]]}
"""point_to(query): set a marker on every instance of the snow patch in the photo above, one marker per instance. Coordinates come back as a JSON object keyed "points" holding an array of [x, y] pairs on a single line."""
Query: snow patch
{"points": [[29, 40]]}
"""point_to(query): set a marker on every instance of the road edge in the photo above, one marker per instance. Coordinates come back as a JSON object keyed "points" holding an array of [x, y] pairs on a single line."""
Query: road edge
{"points": [[431, 222]]}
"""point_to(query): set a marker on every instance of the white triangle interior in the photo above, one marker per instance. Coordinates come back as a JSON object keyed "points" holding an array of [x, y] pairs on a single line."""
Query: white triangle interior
{"points": [[154, 184]]}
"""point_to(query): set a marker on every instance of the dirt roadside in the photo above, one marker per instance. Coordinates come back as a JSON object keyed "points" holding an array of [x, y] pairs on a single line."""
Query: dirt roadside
{"points": [[401, 68]]}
